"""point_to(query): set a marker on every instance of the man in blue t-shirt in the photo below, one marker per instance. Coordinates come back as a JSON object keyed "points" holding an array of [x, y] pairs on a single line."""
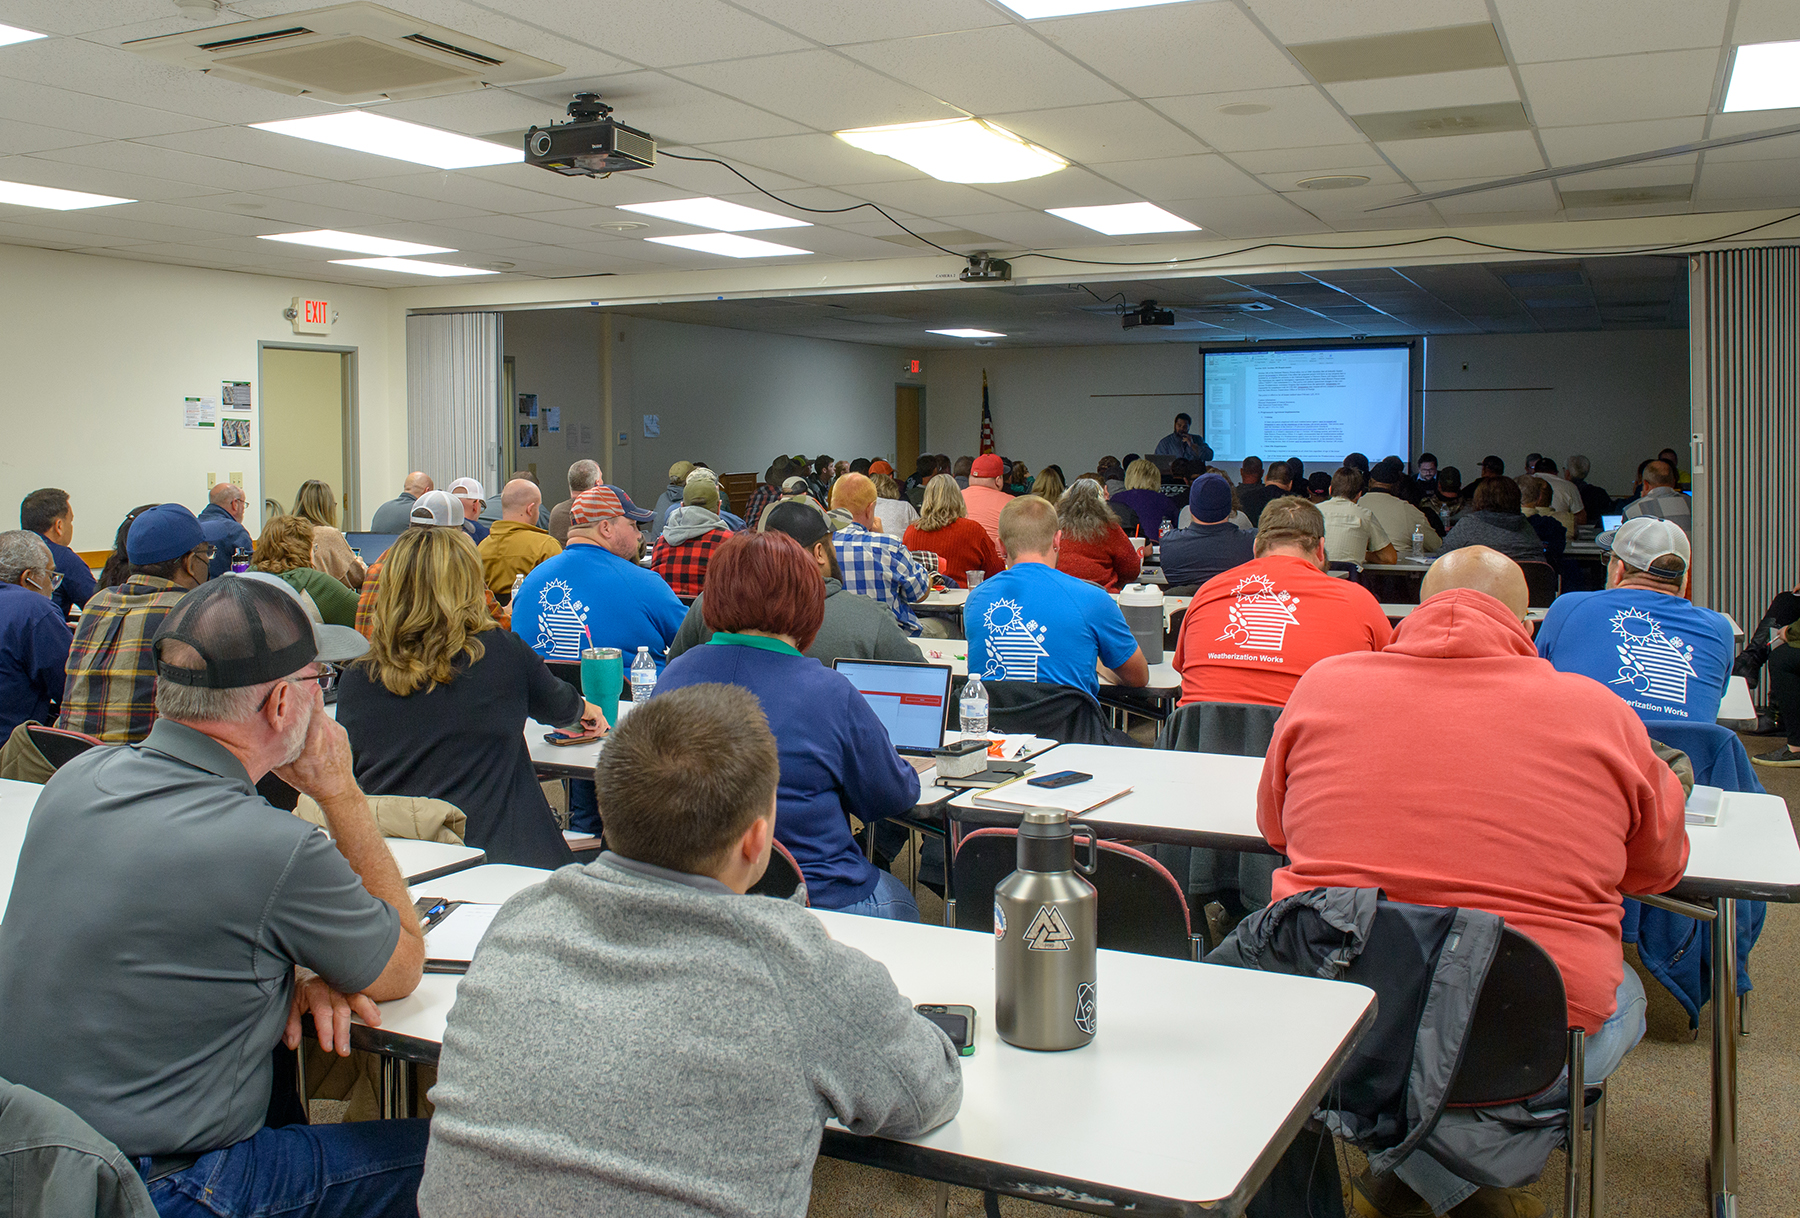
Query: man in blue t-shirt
{"points": [[49, 514], [595, 588], [1031, 622], [1641, 637]]}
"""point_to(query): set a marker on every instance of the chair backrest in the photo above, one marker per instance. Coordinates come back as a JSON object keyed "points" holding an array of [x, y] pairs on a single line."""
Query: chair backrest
{"points": [[782, 878], [1056, 712], [1541, 582], [1518, 1040], [1142, 907], [59, 747], [1239, 729]]}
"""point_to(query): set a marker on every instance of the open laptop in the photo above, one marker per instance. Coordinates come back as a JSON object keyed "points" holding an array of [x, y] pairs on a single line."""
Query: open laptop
{"points": [[911, 699], [1609, 523]]}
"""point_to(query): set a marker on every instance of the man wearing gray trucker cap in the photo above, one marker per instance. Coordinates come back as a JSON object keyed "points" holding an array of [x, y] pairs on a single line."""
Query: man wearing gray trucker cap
{"points": [[168, 927], [1641, 637]]}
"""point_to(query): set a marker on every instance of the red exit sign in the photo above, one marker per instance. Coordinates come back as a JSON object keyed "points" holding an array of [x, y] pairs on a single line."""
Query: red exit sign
{"points": [[311, 316]]}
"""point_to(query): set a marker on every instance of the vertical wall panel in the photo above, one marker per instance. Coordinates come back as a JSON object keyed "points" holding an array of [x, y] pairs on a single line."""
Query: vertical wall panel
{"points": [[453, 364], [1746, 401]]}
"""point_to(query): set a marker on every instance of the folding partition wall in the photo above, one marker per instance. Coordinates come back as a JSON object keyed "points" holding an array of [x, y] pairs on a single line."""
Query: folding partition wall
{"points": [[453, 367]]}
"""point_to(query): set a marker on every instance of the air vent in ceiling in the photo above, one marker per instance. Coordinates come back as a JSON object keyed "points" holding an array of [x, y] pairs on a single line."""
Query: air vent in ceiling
{"points": [[348, 54]]}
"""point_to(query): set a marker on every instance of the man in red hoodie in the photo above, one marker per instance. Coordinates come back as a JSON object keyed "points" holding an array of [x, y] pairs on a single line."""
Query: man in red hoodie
{"points": [[1601, 816]]}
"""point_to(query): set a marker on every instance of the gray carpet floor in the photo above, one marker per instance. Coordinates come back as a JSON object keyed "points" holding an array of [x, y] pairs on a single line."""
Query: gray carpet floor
{"points": [[1659, 1110]]}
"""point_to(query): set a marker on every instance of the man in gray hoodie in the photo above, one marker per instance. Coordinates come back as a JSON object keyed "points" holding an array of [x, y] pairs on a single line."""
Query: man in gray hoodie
{"points": [[636, 1036]]}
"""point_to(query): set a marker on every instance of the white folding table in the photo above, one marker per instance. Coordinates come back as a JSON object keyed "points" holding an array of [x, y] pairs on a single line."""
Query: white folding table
{"points": [[420, 861], [1198, 1079]]}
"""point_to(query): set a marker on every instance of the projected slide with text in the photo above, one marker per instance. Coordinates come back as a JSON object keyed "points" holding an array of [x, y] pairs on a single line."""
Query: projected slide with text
{"points": [[1316, 404]]}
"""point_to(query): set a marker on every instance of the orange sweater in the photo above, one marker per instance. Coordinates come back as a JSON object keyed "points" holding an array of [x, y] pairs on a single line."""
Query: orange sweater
{"points": [[1110, 562]]}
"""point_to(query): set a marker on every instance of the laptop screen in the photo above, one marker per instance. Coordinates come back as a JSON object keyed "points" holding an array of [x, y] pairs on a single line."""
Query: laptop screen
{"points": [[1609, 523], [911, 700]]}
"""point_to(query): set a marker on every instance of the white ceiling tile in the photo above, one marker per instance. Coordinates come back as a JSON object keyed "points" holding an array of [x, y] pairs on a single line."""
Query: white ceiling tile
{"points": [[672, 111], [477, 113], [1298, 118], [130, 157], [929, 197], [668, 32], [517, 229], [1243, 217], [1295, 21], [989, 71], [1766, 21], [1174, 49], [1537, 30], [467, 190], [16, 137], [1113, 131], [836, 22], [819, 90], [1326, 157], [37, 171], [350, 197], [281, 152], [1619, 89], [86, 16], [1181, 177], [1353, 200], [1533, 198], [1750, 122], [1495, 154], [1476, 87], [1601, 141], [1750, 179], [1673, 171], [1029, 229], [86, 67], [812, 157], [1071, 187], [87, 114], [1378, 173]]}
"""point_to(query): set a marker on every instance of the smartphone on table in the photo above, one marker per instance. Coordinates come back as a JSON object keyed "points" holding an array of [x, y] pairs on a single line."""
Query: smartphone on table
{"points": [[1062, 778], [958, 1023]]}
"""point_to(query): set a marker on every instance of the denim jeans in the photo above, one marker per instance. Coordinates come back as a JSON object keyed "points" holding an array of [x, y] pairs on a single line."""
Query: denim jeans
{"points": [[584, 806], [891, 899], [1442, 1189], [364, 1169]]}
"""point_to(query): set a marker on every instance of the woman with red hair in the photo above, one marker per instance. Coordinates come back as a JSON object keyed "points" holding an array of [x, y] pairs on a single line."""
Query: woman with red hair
{"points": [[764, 602]]}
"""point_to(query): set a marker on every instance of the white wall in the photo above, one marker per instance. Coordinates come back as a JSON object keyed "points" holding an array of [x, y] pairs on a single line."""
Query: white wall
{"points": [[736, 399], [556, 355], [99, 352], [1616, 397], [1064, 405]]}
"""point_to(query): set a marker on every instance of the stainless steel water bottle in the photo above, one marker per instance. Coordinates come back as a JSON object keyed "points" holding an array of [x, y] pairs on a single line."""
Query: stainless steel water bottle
{"points": [[1045, 929]]}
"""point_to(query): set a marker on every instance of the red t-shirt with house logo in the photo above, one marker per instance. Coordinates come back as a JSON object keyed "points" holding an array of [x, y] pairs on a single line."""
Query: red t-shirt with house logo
{"points": [[1253, 631]]}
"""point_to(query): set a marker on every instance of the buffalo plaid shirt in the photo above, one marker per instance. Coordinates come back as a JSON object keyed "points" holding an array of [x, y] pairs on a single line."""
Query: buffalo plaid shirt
{"points": [[877, 565], [684, 565], [111, 688], [764, 496], [365, 603]]}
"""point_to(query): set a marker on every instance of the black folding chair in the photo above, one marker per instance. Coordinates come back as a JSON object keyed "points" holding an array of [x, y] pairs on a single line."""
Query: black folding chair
{"points": [[782, 879], [58, 745], [1056, 712], [1542, 583]]}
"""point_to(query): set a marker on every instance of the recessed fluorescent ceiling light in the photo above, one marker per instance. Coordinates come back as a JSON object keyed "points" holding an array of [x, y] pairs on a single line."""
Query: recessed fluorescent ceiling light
{"points": [[1120, 219], [958, 150], [1764, 76], [363, 132], [715, 213], [55, 200], [407, 266], [728, 245], [1031, 10], [10, 34], [356, 243], [967, 333]]}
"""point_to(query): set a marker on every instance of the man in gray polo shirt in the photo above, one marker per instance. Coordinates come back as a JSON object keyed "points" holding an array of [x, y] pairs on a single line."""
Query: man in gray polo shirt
{"points": [[168, 926], [717, 1031]]}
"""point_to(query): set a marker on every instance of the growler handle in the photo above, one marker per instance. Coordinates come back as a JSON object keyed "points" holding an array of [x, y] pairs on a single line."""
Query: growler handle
{"points": [[1093, 844]]}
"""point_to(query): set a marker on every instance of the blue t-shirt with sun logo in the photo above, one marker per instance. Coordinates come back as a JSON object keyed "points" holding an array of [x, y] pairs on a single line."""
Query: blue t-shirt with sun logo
{"points": [[1667, 657], [1034, 623]]}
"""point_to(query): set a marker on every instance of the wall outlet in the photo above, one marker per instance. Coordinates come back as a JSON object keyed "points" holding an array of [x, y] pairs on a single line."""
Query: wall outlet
{"points": [[212, 480], [237, 478]]}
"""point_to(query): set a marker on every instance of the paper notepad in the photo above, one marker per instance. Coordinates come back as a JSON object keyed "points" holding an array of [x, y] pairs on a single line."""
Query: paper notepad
{"points": [[1019, 796], [450, 945], [1703, 805]]}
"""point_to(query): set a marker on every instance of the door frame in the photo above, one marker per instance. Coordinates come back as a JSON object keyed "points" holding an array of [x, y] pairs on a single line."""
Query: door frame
{"points": [[348, 498]]}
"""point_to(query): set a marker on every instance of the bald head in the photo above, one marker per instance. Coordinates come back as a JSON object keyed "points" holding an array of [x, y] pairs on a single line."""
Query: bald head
{"points": [[228, 497], [1659, 473], [1483, 570], [519, 501], [417, 483]]}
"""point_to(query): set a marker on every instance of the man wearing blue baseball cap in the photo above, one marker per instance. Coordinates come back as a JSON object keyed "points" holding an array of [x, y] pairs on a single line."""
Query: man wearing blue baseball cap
{"points": [[111, 687]]}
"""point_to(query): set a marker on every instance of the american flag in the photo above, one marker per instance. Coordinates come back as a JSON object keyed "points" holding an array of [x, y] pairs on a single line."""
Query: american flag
{"points": [[987, 420]]}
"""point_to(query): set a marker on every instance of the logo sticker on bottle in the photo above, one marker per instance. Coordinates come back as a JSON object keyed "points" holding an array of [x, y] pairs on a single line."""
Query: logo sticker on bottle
{"points": [[1085, 1012], [999, 922], [1048, 931]]}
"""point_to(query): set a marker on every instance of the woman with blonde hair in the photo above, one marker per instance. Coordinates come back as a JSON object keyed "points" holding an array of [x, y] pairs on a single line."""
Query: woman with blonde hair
{"points": [[1141, 495], [891, 507], [438, 705], [944, 529], [1094, 547], [331, 553], [1048, 484], [285, 549]]}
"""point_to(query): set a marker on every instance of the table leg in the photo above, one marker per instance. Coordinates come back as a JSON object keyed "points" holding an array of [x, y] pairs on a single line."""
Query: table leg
{"points": [[396, 1082], [952, 839], [1723, 1203]]}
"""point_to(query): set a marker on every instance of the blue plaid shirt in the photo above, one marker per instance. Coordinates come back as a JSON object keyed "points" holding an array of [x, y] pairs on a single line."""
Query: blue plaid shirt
{"points": [[877, 565]]}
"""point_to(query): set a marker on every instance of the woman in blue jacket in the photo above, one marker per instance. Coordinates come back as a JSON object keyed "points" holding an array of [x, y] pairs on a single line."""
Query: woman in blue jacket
{"points": [[764, 602]]}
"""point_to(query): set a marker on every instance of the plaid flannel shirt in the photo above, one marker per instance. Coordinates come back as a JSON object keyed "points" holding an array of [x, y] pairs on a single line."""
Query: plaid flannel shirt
{"points": [[365, 603], [764, 496], [877, 565], [684, 565], [111, 688]]}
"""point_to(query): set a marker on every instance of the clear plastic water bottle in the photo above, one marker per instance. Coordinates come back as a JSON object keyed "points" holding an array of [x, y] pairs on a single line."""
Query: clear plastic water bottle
{"points": [[643, 676], [1418, 541], [973, 707]]}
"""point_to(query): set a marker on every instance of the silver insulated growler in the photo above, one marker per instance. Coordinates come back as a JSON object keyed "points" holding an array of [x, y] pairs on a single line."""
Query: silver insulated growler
{"points": [[1045, 937]]}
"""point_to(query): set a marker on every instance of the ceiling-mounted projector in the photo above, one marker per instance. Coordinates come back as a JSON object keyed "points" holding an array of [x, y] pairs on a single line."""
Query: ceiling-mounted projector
{"points": [[590, 144], [1147, 314]]}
